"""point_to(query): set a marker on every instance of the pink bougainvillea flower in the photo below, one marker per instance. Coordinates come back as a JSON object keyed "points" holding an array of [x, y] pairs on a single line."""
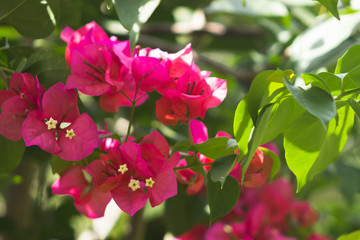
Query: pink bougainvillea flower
{"points": [[315, 236], [137, 172], [95, 69], [303, 214], [59, 128], [88, 199], [24, 96], [193, 93], [91, 33]]}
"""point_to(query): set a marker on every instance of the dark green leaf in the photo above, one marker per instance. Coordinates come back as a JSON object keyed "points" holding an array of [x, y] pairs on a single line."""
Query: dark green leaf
{"points": [[32, 18], [314, 99], [348, 174], [182, 145], [221, 168], [221, 199], [331, 5], [242, 126], [132, 14], [11, 154], [183, 211], [303, 140], [217, 147]]}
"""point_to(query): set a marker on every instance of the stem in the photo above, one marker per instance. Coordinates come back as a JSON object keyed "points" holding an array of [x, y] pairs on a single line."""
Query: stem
{"points": [[343, 94], [131, 119], [138, 226]]}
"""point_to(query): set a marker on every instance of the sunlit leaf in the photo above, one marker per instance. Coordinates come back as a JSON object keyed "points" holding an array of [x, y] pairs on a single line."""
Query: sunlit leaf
{"points": [[350, 236], [331, 5], [303, 140], [314, 99]]}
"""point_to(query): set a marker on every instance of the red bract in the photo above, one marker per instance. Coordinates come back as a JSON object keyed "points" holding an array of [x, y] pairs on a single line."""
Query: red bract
{"points": [[88, 199], [59, 128], [194, 92], [24, 96], [134, 167], [89, 34]]}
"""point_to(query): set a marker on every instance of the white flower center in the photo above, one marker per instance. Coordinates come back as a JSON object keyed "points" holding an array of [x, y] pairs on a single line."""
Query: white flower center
{"points": [[51, 123], [134, 184]]}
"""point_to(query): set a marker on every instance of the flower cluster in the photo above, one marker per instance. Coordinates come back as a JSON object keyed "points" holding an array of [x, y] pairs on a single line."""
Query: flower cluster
{"points": [[267, 213], [103, 66], [131, 173], [49, 119]]}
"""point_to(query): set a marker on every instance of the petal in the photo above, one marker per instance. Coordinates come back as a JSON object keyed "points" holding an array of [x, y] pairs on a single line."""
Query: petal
{"points": [[71, 182], [95, 206], [129, 201], [159, 141], [35, 132], [149, 74], [198, 130], [60, 103], [84, 142], [165, 185]]}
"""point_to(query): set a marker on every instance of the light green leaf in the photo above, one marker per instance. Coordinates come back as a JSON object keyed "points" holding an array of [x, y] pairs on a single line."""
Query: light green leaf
{"points": [[331, 5], [132, 14], [349, 60], [221, 168], [11, 154], [303, 140], [242, 126], [32, 18], [221, 199], [354, 105], [314, 99], [217, 147], [283, 114], [337, 135], [350, 236]]}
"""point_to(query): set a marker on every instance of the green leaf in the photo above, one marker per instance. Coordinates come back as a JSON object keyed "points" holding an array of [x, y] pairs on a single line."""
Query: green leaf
{"points": [[331, 5], [349, 61], [221, 199], [32, 18], [350, 236], [221, 168], [348, 174], [354, 105], [132, 14], [303, 140], [283, 114], [242, 126], [276, 163], [11, 154], [48, 67], [337, 135], [262, 91], [182, 145], [183, 211], [314, 99], [217, 147], [257, 137]]}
